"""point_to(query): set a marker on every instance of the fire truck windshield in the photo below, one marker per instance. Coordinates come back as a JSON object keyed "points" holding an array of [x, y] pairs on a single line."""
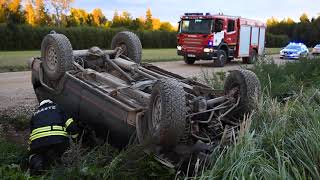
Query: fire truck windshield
{"points": [[196, 26]]}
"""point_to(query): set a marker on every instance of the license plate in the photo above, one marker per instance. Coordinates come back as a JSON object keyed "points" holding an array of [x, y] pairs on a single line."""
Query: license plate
{"points": [[191, 55]]}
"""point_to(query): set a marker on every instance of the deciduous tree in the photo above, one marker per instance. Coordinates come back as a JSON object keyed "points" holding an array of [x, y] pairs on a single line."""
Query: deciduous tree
{"points": [[272, 21], [79, 16], [14, 13], [156, 23], [98, 17], [60, 7], [304, 18], [41, 16], [3, 7], [30, 13], [14, 6], [166, 26]]}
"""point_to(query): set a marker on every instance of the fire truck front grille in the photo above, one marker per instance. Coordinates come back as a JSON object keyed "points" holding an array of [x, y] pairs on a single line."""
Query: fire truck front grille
{"points": [[192, 41]]}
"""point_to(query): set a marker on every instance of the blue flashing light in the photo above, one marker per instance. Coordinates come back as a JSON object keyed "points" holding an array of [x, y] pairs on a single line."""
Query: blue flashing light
{"points": [[210, 43], [298, 43], [193, 14]]}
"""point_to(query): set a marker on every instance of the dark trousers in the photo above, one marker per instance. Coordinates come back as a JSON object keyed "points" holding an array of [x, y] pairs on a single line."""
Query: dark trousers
{"points": [[41, 158]]}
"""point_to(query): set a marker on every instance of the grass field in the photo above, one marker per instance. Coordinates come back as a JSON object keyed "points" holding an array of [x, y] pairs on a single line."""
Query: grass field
{"points": [[16, 60]]}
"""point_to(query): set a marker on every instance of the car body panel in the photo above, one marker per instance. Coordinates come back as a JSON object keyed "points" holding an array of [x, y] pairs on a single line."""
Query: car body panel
{"points": [[316, 50], [294, 51]]}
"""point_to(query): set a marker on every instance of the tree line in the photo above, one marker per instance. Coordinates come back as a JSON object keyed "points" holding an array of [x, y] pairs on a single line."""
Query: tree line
{"points": [[60, 13], [307, 31], [52, 14]]}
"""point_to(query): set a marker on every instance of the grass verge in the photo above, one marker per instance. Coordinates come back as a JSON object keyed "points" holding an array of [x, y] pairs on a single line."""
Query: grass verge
{"points": [[11, 61], [281, 141]]}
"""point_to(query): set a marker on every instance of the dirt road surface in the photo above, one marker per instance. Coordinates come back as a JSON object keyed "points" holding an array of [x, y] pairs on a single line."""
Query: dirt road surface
{"points": [[16, 88]]}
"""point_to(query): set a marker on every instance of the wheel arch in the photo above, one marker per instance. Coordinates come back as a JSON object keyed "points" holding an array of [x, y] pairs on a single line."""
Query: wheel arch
{"points": [[224, 46]]}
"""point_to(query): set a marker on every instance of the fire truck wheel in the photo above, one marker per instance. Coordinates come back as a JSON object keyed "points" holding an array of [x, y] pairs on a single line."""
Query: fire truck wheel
{"points": [[230, 59], [252, 59], [221, 59], [189, 60]]}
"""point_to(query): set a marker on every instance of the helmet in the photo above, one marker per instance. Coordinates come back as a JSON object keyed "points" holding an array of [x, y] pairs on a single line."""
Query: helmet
{"points": [[45, 102]]}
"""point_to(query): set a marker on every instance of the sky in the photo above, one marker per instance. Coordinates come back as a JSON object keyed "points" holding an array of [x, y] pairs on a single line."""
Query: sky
{"points": [[171, 10]]}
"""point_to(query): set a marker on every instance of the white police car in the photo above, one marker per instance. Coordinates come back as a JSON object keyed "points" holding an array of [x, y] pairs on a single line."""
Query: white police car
{"points": [[294, 51]]}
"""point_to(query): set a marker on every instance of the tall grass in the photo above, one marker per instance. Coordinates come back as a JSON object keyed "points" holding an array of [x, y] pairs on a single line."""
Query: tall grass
{"points": [[283, 141], [282, 80]]}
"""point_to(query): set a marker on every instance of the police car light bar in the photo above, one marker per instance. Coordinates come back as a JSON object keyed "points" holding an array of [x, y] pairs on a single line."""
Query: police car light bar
{"points": [[299, 43], [193, 14]]}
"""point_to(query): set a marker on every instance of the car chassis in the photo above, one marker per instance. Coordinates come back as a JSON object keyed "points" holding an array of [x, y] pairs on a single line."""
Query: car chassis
{"points": [[116, 96]]}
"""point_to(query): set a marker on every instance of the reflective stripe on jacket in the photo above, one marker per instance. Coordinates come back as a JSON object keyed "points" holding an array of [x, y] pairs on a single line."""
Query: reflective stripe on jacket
{"points": [[50, 125]]}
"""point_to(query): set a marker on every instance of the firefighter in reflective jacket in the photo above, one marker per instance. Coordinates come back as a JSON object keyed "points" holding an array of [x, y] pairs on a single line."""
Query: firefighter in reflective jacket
{"points": [[49, 139]]}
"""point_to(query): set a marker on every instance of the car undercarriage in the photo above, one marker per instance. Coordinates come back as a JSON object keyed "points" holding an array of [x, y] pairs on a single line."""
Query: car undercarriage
{"points": [[117, 96]]}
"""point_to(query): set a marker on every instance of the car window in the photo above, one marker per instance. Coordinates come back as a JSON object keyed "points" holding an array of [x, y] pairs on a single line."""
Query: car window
{"points": [[218, 25], [231, 25], [293, 47]]}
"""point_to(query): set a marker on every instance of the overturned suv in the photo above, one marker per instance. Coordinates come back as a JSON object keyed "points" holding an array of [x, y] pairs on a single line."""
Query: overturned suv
{"points": [[116, 96]]}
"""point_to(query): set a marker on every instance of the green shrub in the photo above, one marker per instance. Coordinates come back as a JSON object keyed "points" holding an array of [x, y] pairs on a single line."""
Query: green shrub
{"points": [[273, 40], [282, 143], [24, 37], [11, 153], [283, 80]]}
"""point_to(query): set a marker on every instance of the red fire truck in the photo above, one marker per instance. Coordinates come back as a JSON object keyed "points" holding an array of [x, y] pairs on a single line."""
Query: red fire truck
{"points": [[220, 38]]}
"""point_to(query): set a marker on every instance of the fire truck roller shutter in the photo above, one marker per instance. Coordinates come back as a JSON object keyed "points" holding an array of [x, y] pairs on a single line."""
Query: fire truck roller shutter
{"points": [[244, 45], [262, 35], [255, 36]]}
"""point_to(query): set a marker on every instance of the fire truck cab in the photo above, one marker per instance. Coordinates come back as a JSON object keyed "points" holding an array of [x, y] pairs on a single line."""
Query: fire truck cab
{"points": [[220, 38]]}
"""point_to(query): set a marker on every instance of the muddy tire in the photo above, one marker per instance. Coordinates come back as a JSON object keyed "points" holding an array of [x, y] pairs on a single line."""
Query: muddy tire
{"points": [[130, 44], [167, 114], [221, 59], [249, 90], [57, 55], [252, 58], [189, 60]]}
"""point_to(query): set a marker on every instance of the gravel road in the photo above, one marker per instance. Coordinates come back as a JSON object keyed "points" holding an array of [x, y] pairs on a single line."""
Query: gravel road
{"points": [[16, 89]]}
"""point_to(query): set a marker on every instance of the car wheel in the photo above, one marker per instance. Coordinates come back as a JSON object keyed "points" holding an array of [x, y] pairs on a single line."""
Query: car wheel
{"points": [[221, 59], [247, 87], [57, 55], [130, 44], [167, 112], [189, 60]]}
